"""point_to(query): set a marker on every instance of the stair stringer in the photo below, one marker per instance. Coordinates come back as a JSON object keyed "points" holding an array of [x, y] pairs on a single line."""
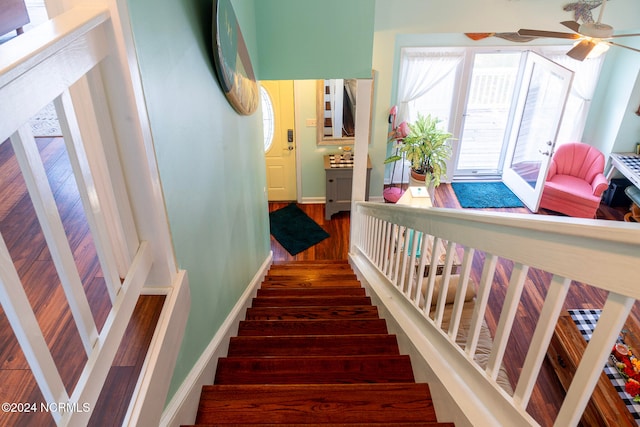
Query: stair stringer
{"points": [[183, 406], [461, 393]]}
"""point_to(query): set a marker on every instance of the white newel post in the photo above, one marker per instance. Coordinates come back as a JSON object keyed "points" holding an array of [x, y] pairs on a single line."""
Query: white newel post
{"points": [[361, 151]]}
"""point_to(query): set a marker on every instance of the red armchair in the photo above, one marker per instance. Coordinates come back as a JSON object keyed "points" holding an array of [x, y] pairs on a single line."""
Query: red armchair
{"points": [[575, 181]]}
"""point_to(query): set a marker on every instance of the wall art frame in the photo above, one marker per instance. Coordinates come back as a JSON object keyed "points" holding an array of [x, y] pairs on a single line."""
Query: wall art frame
{"points": [[232, 62]]}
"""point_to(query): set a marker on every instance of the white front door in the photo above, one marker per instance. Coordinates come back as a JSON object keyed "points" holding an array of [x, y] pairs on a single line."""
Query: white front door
{"points": [[280, 151], [544, 90]]}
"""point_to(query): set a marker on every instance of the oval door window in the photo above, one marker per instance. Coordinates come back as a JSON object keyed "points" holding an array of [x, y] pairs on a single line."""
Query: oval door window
{"points": [[268, 123]]}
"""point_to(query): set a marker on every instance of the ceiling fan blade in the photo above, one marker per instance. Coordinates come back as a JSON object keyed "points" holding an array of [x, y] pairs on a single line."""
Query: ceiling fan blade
{"points": [[580, 51], [572, 25], [621, 45], [626, 35], [478, 36], [551, 34]]}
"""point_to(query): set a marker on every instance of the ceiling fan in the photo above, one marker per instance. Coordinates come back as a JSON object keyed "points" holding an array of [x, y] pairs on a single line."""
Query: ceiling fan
{"points": [[588, 35]]}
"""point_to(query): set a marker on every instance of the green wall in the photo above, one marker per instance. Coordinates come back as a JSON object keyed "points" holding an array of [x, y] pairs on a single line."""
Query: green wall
{"points": [[211, 165], [310, 39], [613, 125]]}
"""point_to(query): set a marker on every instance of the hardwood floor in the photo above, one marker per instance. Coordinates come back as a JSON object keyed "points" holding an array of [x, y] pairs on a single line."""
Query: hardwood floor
{"points": [[548, 391], [23, 236]]}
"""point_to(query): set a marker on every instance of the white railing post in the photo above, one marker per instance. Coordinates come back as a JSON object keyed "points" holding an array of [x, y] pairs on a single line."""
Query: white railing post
{"points": [[35, 176], [22, 319], [88, 193], [361, 150], [551, 308]]}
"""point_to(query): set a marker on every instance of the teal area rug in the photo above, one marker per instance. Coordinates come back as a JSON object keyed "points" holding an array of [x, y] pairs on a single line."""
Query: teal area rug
{"points": [[485, 195], [294, 230]]}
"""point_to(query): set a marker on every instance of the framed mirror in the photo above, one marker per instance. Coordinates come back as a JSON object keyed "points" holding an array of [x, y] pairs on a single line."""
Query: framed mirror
{"points": [[336, 111]]}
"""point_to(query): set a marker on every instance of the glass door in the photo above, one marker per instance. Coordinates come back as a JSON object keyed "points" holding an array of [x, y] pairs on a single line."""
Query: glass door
{"points": [[543, 94], [487, 114]]}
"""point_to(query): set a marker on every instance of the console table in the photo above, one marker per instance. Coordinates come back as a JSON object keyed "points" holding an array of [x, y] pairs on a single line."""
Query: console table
{"points": [[339, 178], [628, 164]]}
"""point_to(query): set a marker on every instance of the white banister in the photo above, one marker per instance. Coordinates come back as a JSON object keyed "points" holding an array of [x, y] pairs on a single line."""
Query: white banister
{"points": [[503, 331], [88, 192], [555, 250], [15, 304], [35, 176], [549, 314], [82, 61]]}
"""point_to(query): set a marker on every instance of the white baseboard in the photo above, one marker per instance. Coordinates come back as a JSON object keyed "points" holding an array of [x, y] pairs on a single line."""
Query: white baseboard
{"points": [[313, 200], [322, 200], [153, 385], [183, 407]]}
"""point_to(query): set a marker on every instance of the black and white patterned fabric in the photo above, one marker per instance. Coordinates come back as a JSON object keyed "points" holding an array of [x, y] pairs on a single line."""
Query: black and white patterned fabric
{"points": [[337, 161], [586, 321]]}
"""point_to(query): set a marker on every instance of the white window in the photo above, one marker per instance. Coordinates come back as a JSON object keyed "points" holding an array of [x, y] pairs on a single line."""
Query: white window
{"points": [[472, 91], [268, 123]]}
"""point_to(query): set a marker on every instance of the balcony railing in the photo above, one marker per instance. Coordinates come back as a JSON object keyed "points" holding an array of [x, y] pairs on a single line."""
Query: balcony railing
{"points": [[79, 61], [405, 253]]}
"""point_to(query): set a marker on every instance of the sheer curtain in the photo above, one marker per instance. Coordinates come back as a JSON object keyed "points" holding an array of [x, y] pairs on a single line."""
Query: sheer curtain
{"points": [[420, 71], [585, 79]]}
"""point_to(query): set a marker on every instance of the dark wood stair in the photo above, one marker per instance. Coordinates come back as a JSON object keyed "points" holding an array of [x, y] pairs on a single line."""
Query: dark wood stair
{"points": [[312, 350]]}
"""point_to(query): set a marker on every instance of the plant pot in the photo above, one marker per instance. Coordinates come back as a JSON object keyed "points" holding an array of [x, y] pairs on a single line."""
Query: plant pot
{"points": [[417, 176]]}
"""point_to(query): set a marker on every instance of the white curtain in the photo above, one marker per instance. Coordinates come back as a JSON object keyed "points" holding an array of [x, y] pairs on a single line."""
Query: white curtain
{"points": [[585, 79], [420, 71]]}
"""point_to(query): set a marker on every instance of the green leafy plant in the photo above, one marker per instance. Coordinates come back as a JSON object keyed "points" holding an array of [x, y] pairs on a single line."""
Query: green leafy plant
{"points": [[427, 147]]}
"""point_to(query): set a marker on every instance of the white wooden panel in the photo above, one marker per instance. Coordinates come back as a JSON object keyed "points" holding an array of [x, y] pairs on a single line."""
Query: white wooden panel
{"points": [[444, 285], [40, 77], [477, 320], [99, 362], [88, 193], [463, 283], [15, 304], [541, 338], [509, 310], [35, 176], [106, 159]]}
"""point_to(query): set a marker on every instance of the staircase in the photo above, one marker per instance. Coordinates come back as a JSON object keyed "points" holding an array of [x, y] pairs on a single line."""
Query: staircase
{"points": [[314, 351]]}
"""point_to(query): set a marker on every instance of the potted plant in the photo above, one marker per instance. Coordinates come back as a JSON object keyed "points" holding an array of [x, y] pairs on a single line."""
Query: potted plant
{"points": [[427, 148]]}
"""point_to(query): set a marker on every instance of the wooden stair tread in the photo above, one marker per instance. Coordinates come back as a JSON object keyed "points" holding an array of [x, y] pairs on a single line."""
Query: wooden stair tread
{"points": [[311, 292], [328, 403], [312, 327], [309, 301], [323, 312], [314, 370], [385, 424], [313, 350], [309, 284], [312, 345], [310, 262]]}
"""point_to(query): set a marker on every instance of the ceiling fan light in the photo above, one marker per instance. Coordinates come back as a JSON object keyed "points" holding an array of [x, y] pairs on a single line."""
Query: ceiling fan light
{"points": [[596, 48], [600, 49], [596, 30]]}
